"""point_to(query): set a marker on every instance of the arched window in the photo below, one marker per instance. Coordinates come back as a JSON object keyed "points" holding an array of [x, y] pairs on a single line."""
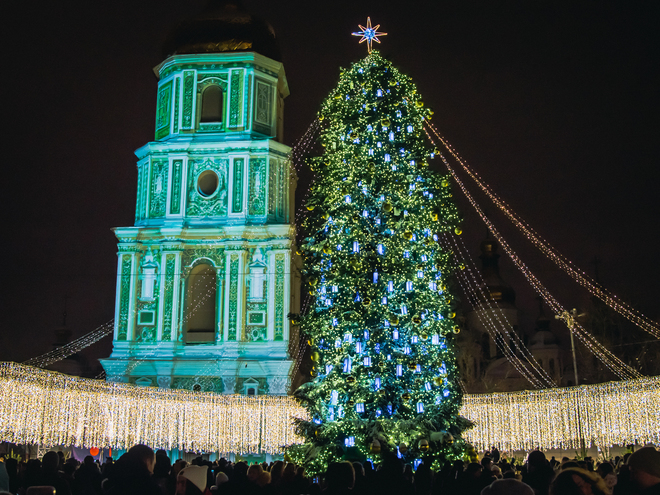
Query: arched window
{"points": [[212, 104], [201, 305]]}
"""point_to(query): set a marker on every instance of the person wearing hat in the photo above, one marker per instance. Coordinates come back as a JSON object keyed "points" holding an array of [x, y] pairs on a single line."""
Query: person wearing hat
{"points": [[645, 470], [192, 481]]}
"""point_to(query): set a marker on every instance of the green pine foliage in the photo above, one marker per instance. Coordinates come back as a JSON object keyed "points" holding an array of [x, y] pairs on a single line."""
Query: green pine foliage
{"points": [[381, 326]]}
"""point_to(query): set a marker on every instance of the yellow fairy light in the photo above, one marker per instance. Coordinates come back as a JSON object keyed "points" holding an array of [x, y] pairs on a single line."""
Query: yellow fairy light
{"points": [[46, 408]]}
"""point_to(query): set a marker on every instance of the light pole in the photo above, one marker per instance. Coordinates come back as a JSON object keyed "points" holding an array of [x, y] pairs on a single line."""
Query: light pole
{"points": [[570, 318]]}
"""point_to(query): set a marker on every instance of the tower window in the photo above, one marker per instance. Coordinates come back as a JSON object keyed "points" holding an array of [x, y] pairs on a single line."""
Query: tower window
{"points": [[207, 183], [212, 104], [201, 305], [251, 391]]}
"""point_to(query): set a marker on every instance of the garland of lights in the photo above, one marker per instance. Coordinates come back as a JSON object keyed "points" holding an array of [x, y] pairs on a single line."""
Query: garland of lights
{"points": [[560, 260], [614, 413], [47, 408], [617, 366], [501, 327], [494, 329]]}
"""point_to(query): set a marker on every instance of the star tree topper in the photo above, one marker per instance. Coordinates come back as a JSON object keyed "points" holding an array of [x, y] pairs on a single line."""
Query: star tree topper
{"points": [[369, 33]]}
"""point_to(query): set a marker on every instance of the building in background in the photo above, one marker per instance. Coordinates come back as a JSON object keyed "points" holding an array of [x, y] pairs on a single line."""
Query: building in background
{"points": [[205, 277]]}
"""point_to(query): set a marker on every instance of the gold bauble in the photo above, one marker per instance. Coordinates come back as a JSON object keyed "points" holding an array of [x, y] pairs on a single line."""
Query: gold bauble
{"points": [[315, 356], [321, 117], [403, 448], [393, 82], [394, 320], [406, 396], [408, 235], [374, 448], [445, 183], [387, 206], [458, 231], [423, 445], [366, 301], [350, 403], [350, 379], [310, 342], [452, 315], [456, 329], [434, 216], [416, 320], [313, 281], [385, 122], [382, 365], [326, 250], [354, 263], [419, 103], [310, 207], [412, 366], [382, 392], [424, 336], [437, 381]]}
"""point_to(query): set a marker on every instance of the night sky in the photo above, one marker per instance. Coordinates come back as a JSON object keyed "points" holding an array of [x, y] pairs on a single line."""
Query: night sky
{"points": [[555, 103]]}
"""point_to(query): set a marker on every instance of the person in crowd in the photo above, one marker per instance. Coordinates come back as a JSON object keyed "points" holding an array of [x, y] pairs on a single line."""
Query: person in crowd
{"points": [[4, 476], [644, 466], [51, 474], [192, 480], [539, 473], [132, 473], [606, 471], [339, 478], [87, 478], [507, 487], [578, 481]]}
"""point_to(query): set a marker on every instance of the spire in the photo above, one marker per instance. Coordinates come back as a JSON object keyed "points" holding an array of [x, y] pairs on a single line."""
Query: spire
{"points": [[499, 291]]}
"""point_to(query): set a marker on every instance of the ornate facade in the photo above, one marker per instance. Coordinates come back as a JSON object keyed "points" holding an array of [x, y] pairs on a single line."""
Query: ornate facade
{"points": [[204, 277]]}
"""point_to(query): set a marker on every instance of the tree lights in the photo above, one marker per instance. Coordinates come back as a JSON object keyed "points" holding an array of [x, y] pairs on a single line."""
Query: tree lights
{"points": [[381, 323]]}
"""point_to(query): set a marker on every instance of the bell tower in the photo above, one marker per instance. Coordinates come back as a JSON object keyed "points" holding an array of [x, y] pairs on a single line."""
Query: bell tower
{"points": [[204, 277]]}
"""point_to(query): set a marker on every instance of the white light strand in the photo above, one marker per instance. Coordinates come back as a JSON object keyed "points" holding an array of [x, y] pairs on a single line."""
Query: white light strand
{"points": [[503, 325], [495, 333], [617, 366], [47, 408], [605, 414], [560, 260]]}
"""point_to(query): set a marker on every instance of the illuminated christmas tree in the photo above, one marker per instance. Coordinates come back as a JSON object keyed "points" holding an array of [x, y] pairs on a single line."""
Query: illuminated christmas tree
{"points": [[381, 325]]}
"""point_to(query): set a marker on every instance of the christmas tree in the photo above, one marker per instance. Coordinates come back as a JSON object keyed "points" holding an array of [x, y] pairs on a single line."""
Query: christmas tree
{"points": [[381, 326]]}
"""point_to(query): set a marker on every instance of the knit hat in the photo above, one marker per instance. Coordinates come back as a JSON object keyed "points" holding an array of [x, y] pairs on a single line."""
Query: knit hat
{"points": [[507, 487], [646, 459], [221, 478], [196, 475]]}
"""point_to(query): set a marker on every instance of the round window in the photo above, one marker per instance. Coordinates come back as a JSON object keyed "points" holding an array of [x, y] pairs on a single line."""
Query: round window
{"points": [[197, 387], [207, 183]]}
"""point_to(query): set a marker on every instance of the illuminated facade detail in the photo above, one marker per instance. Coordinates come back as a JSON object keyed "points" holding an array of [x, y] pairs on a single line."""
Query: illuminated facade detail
{"points": [[204, 280]]}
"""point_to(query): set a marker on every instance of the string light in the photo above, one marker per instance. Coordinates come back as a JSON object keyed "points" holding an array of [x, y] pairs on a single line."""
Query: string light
{"points": [[502, 328], [614, 413], [617, 366], [560, 260], [46, 408]]}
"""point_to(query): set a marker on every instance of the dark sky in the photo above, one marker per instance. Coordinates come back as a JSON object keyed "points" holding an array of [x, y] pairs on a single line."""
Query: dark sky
{"points": [[554, 103]]}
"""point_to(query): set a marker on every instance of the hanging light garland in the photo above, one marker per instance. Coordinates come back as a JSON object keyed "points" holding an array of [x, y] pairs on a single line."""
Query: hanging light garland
{"points": [[614, 413], [642, 321], [501, 330], [46, 408], [621, 369]]}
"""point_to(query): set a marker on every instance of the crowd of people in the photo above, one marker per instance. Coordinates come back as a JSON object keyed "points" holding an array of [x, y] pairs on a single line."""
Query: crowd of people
{"points": [[142, 472]]}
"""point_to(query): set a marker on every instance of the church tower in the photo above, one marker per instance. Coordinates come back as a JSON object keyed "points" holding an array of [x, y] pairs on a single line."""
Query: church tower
{"points": [[205, 277]]}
